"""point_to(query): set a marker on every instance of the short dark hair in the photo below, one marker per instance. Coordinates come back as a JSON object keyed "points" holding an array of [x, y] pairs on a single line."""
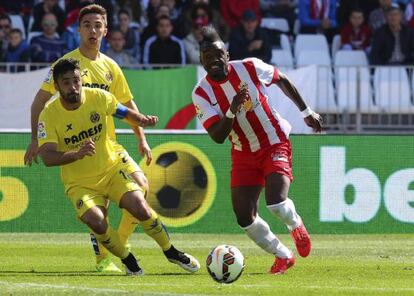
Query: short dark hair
{"points": [[16, 30], [93, 8], [163, 17], [63, 66], [356, 9], [209, 36], [124, 11], [5, 16]]}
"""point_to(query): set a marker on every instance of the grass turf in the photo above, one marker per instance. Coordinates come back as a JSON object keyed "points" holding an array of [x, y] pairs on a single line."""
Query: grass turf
{"points": [[63, 264]]}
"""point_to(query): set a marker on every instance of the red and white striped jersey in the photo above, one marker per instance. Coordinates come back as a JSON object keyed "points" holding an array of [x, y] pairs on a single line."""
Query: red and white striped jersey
{"points": [[257, 125]]}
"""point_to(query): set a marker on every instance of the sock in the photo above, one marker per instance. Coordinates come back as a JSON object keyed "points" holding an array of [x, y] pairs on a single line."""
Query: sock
{"points": [[110, 240], [100, 251], [155, 229], [259, 232], [126, 226], [286, 212]]}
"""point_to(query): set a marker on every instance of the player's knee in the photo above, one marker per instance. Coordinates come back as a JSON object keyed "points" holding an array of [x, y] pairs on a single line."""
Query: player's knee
{"points": [[95, 219], [142, 181], [135, 203], [245, 220]]}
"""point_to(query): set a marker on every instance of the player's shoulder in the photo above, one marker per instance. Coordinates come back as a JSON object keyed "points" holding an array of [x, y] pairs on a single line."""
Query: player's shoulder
{"points": [[200, 84], [51, 106], [109, 61]]}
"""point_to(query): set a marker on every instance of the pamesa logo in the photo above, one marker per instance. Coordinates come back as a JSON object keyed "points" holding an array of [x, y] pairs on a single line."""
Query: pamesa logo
{"points": [[182, 183]]}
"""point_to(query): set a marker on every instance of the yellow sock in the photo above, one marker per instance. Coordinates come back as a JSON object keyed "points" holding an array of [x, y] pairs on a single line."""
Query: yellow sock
{"points": [[110, 240], [126, 226], [100, 252], [154, 228]]}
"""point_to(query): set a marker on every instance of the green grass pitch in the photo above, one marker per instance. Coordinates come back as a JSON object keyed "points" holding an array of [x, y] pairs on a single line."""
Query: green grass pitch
{"points": [[63, 264]]}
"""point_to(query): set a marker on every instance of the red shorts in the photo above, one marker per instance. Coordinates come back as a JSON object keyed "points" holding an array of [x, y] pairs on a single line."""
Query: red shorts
{"points": [[251, 168]]}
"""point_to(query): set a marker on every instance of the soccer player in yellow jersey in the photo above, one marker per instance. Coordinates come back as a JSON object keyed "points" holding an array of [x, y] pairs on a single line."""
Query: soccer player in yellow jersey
{"points": [[97, 71], [73, 132]]}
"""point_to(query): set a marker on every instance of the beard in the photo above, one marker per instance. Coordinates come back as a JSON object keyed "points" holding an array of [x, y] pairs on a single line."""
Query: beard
{"points": [[72, 98]]}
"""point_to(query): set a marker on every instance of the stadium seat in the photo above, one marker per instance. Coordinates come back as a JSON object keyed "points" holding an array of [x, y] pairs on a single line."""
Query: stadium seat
{"points": [[392, 90], [310, 42], [282, 59], [17, 22], [325, 99], [336, 45], [279, 24], [285, 42], [349, 81]]}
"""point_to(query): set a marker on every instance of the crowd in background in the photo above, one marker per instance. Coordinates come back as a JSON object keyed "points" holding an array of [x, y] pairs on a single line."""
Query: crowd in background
{"points": [[168, 31]]}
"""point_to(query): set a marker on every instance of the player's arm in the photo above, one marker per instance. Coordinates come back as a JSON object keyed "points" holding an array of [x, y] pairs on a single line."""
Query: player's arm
{"points": [[312, 119], [38, 104], [133, 117], [221, 129], [143, 146], [52, 157]]}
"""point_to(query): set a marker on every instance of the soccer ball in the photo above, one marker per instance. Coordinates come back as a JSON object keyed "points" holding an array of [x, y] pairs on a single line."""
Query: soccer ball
{"points": [[178, 184], [225, 264]]}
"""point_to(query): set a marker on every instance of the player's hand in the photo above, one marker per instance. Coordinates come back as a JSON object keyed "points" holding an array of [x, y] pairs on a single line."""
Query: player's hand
{"points": [[145, 150], [31, 153], [314, 121], [87, 149], [239, 99], [147, 120]]}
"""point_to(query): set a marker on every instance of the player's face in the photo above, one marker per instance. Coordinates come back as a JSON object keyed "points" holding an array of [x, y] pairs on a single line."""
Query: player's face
{"points": [[69, 86], [92, 29], [215, 60]]}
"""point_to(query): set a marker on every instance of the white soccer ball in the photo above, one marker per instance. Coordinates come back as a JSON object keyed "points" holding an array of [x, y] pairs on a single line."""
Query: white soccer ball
{"points": [[225, 264]]}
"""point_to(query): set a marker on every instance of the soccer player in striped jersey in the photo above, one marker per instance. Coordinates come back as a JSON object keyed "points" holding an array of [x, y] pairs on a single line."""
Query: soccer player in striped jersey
{"points": [[232, 101], [97, 71]]}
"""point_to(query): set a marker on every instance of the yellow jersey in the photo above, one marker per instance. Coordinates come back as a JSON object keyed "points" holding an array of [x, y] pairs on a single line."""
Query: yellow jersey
{"points": [[103, 73], [70, 128]]}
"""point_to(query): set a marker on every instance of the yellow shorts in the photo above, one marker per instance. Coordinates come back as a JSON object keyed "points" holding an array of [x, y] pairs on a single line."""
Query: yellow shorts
{"points": [[130, 166], [112, 186]]}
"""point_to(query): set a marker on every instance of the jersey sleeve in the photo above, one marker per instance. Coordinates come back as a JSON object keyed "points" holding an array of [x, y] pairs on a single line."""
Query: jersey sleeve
{"points": [[267, 74], [111, 103], [46, 133], [205, 111], [48, 83], [121, 89]]}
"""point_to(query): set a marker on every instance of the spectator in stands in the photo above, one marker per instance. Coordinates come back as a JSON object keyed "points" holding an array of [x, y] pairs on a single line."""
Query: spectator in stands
{"points": [[152, 10], [151, 29], [232, 10], [249, 40], [17, 51], [71, 36], [130, 33], [18, 7], [200, 17], [48, 6], [47, 47], [393, 43], [181, 27], [5, 27], [135, 12], [346, 6], [355, 35], [318, 17], [214, 14], [164, 48], [377, 16], [280, 9], [409, 14], [116, 49]]}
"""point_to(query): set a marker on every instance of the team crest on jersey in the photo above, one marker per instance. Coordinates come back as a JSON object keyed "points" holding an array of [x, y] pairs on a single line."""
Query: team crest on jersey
{"points": [[41, 130], [49, 76], [198, 111], [79, 203], [95, 117], [109, 77]]}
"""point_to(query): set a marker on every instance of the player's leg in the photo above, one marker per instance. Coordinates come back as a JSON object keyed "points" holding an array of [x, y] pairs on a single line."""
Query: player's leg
{"points": [[278, 171], [128, 195], [245, 200], [128, 222], [247, 181], [95, 219], [136, 204]]}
